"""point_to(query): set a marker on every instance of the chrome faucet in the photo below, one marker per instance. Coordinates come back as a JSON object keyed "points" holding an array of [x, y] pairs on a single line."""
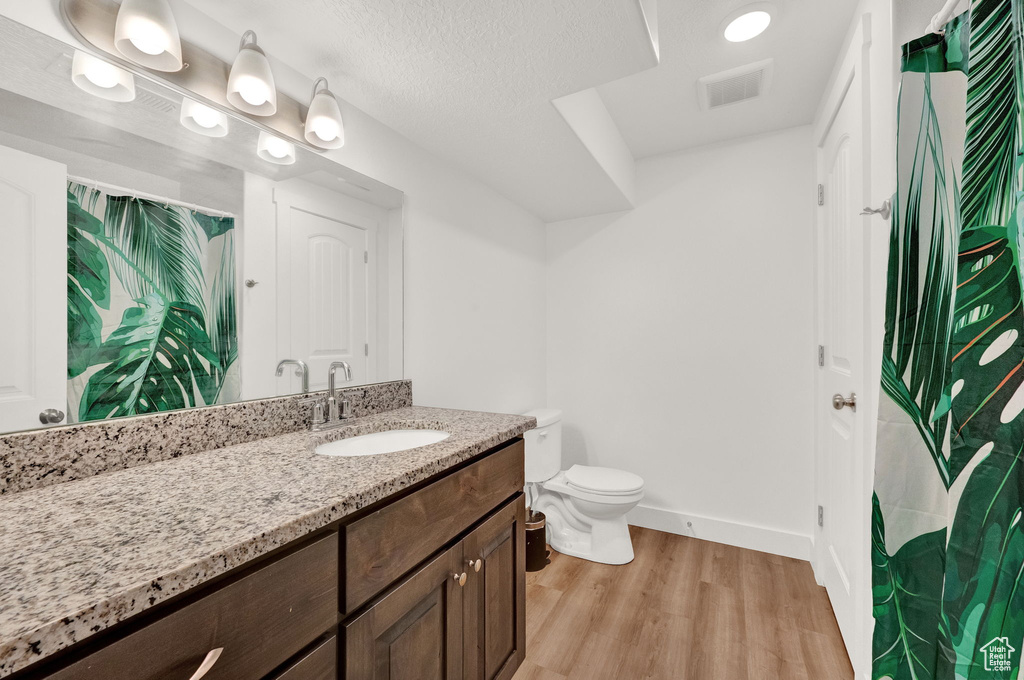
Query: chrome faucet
{"points": [[334, 413], [301, 371]]}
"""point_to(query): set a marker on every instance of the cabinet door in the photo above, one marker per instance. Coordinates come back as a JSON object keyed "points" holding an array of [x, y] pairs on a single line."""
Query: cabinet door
{"points": [[415, 631], [494, 637]]}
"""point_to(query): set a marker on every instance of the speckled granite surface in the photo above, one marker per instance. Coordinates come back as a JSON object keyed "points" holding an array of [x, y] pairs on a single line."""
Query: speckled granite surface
{"points": [[61, 454], [79, 557]]}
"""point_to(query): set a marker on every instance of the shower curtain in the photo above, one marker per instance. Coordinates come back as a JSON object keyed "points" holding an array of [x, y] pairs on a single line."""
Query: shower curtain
{"points": [[152, 322], [947, 542]]}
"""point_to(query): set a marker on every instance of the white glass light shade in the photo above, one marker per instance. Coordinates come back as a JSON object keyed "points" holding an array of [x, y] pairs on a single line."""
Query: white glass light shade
{"points": [[202, 119], [101, 78], [324, 127], [147, 34], [748, 26], [275, 150], [251, 83]]}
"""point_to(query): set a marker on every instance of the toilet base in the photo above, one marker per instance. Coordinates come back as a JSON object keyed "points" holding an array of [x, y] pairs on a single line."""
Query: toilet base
{"points": [[605, 540]]}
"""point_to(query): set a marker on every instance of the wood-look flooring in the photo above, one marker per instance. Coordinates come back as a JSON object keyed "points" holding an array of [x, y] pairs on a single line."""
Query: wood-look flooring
{"points": [[684, 609]]}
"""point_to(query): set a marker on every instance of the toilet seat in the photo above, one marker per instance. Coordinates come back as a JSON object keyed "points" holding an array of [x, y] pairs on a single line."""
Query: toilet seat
{"points": [[603, 481]]}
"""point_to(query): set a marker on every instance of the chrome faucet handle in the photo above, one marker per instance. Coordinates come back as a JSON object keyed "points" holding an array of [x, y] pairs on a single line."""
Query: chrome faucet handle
{"points": [[346, 409], [318, 413]]}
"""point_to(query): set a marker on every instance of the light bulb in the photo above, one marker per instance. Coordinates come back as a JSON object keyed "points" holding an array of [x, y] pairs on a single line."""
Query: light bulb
{"points": [[253, 90], [326, 129], [205, 117], [101, 78], [747, 26], [278, 148], [148, 36], [146, 33], [101, 74]]}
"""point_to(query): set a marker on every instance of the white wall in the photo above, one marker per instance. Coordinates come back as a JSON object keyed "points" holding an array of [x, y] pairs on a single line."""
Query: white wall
{"points": [[680, 340], [474, 261]]}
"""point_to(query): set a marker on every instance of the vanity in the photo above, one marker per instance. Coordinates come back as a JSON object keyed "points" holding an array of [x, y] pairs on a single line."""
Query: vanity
{"points": [[282, 563], [164, 511]]}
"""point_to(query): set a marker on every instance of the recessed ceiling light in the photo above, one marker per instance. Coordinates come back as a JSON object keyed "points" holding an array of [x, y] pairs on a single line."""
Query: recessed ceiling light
{"points": [[747, 26]]}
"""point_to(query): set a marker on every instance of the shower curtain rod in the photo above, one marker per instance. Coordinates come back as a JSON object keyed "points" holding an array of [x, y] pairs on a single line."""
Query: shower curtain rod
{"points": [[943, 17], [149, 197]]}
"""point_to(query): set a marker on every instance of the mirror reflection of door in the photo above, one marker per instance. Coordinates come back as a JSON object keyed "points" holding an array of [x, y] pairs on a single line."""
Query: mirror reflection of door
{"points": [[33, 271], [326, 269]]}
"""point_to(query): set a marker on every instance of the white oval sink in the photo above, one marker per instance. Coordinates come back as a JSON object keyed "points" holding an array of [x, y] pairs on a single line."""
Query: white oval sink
{"points": [[382, 442]]}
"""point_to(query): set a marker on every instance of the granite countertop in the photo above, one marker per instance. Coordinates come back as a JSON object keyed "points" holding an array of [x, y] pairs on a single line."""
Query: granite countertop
{"points": [[78, 557]]}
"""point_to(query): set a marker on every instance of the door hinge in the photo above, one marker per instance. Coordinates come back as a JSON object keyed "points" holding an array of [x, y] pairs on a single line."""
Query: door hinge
{"points": [[366, 257], [821, 355], [366, 350], [821, 194], [821, 516]]}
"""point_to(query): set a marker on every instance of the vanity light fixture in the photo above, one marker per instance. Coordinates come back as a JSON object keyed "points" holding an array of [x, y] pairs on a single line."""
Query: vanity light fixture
{"points": [[749, 24], [274, 149], [251, 83], [203, 119], [101, 78], [146, 33], [324, 127]]}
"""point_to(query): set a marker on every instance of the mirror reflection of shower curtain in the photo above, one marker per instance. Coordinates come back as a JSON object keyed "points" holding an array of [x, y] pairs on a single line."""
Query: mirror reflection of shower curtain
{"points": [[152, 322], [947, 539]]}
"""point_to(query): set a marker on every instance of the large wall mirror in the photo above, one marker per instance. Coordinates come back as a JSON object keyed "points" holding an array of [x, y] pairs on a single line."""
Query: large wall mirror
{"points": [[147, 266]]}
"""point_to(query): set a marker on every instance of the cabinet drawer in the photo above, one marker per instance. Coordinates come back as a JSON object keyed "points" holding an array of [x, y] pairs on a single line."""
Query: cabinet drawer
{"points": [[319, 664], [382, 546], [259, 621]]}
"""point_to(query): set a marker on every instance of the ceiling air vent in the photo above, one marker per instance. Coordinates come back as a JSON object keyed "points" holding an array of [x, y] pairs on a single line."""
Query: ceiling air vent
{"points": [[736, 85], [154, 100]]}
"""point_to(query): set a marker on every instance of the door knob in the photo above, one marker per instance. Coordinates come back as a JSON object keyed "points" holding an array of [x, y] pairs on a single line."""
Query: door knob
{"points": [[460, 578], [475, 564], [839, 401], [51, 416]]}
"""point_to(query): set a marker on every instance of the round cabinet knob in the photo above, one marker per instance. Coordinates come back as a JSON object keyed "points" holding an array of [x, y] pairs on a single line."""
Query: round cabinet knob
{"points": [[460, 578], [51, 416], [475, 564]]}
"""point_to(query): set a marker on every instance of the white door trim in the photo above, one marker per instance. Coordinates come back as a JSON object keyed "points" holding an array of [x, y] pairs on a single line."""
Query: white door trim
{"points": [[857, 58]]}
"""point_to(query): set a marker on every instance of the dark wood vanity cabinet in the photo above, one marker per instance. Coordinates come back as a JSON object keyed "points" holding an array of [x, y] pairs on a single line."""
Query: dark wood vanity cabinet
{"points": [[460, 617], [429, 584], [494, 602], [257, 622]]}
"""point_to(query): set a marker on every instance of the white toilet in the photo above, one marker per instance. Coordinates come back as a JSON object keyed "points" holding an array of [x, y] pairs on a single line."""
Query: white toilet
{"points": [[585, 506]]}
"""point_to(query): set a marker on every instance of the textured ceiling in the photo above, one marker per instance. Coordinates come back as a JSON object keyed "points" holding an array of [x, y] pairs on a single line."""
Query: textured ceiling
{"points": [[473, 81], [657, 111], [468, 80]]}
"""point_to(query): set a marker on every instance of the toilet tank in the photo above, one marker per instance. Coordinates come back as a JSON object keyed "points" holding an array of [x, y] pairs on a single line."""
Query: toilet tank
{"points": [[544, 445]]}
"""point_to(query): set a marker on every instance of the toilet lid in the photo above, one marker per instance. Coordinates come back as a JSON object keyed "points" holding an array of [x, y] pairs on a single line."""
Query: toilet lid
{"points": [[603, 480]]}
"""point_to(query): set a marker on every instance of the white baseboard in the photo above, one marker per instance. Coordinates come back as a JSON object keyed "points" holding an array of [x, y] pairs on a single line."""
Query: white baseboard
{"points": [[740, 535]]}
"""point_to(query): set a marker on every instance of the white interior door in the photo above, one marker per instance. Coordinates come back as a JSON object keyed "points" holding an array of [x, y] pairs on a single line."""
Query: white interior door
{"points": [[842, 559], [33, 249], [323, 290]]}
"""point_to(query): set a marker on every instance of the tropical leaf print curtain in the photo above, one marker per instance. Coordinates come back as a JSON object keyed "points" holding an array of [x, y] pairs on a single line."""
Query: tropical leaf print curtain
{"points": [[947, 539], [152, 322]]}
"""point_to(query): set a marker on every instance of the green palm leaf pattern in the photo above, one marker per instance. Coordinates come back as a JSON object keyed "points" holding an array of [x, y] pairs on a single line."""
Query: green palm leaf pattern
{"points": [[919, 296], [980, 569], [162, 248], [907, 595], [993, 113], [223, 324], [163, 349], [88, 287], [157, 355]]}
